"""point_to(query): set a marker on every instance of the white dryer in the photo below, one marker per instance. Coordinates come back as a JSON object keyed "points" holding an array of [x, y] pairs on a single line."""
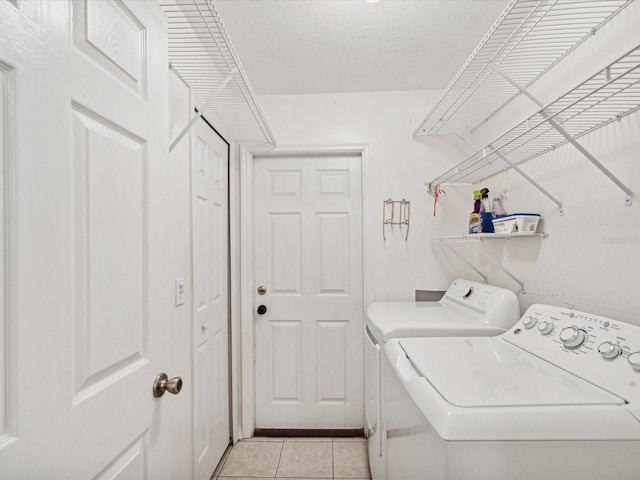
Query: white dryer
{"points": [[557, 397], [466, 309]]}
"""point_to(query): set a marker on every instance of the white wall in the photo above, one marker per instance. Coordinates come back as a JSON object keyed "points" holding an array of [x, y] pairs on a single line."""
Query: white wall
{"points": [[399, 167], [590, 260], [179, 112]]}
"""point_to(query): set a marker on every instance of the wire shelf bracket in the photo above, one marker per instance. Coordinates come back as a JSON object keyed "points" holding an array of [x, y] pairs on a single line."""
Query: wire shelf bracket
{"points": [[529, 179], [459, 135], [203, 109], [503, 269], [445, 244], [567, 136]]}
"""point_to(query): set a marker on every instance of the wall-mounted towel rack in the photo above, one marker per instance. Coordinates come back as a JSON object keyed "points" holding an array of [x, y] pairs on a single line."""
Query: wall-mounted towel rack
{"points": [[396, 213]]}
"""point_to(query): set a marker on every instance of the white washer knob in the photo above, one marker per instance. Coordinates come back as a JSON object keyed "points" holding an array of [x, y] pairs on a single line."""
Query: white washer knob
{"points": [[609, 350], [545, 328], [573, 337], [634, 360], [529, 322]]}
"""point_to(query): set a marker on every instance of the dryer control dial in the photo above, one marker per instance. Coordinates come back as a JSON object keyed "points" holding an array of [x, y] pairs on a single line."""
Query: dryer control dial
{"points": [[545, 328], [529, 322], [573, 337], [609, 350], [634, 360]]}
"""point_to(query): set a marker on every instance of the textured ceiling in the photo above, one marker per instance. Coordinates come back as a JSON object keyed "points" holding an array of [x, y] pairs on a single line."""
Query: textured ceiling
{"points": [[331, 46]]}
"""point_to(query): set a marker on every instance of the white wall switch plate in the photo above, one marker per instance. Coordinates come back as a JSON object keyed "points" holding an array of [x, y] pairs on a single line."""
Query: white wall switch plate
{"points": [[179, 291]]}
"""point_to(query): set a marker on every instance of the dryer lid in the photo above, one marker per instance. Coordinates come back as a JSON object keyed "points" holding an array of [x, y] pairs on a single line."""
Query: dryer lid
{"points": [[489, 372], [387, 320]]}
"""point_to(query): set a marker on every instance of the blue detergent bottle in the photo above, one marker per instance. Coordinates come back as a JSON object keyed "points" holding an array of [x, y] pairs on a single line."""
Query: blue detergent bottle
{"points": [[485, 223]]}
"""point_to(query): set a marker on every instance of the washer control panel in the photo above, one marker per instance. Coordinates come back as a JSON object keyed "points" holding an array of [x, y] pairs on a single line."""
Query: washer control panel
{"points": [[472, 293], [485, 303], [601, 350]]}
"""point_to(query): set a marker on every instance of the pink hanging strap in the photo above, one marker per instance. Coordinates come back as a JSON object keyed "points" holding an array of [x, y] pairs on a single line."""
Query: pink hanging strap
{"points": [[437, 192]]}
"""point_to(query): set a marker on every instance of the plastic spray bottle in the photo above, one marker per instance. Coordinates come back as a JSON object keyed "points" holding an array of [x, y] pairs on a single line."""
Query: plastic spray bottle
{"points": [[485, 225], [497, 208], [475, 215]]}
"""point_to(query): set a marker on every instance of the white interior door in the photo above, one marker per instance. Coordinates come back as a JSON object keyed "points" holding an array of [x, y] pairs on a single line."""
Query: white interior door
{"points": [[209, 165], [308, 256], [83, 98]]}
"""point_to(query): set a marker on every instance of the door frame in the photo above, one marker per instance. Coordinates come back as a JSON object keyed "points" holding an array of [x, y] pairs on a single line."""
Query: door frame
{"points": [[243, 259]]}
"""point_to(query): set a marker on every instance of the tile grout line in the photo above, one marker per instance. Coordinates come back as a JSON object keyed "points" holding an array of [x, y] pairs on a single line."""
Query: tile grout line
{"points": [[279, 458], [333, 460]]}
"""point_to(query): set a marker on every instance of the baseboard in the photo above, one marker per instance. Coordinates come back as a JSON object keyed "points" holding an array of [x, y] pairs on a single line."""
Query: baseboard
{"points": [[313, 432]]}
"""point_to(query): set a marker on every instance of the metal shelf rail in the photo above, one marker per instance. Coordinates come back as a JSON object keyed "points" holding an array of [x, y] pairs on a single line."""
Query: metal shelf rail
{"points": [[202, 54], [607, 96], [529, 38]]}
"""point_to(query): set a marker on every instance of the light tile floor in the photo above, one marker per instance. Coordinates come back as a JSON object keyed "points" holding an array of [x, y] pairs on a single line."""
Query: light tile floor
{"points": [[295, 459]]}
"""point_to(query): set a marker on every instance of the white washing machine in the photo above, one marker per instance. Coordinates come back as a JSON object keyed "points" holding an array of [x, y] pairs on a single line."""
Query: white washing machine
{"points": [[557, 397], [467, 308]]}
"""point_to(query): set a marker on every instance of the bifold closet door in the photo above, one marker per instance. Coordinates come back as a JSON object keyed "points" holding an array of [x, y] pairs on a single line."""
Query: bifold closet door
{"points": [[210, 234]]}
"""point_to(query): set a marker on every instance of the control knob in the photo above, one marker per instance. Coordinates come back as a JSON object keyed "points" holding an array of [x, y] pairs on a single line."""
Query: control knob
{"points": [[634, 360], [529, 322], [573, 337], [545, 328], [609, 350]]}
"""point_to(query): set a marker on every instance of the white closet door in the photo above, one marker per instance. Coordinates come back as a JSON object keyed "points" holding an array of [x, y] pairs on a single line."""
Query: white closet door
{"points": [[83, 101], [209, 164], [308, 256]]}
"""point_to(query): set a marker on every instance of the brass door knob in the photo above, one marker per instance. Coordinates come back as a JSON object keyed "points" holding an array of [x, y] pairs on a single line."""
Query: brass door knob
{"points": [[163, 383]]}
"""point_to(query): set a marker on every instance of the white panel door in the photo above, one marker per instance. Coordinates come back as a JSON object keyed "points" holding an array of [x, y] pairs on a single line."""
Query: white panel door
{"points": [[83, 96], [209, 200], [308, 255]]}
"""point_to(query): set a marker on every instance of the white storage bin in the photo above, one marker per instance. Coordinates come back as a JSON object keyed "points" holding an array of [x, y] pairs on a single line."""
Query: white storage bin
{"points": [[517, 223]]}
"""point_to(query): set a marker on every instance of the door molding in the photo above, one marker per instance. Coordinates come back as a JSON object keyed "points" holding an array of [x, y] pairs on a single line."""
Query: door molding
{"points": [[244, 261]]}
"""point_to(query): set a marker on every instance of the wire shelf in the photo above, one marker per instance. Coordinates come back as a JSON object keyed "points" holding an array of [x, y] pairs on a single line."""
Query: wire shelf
{"points": [[529, 38], [202, 54], [479, 237], [607, 96], [464, 246]]}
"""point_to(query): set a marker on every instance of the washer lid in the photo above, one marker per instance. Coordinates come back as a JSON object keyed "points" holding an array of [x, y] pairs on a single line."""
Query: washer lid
{"points": [[387, 320], [489, 372]]}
